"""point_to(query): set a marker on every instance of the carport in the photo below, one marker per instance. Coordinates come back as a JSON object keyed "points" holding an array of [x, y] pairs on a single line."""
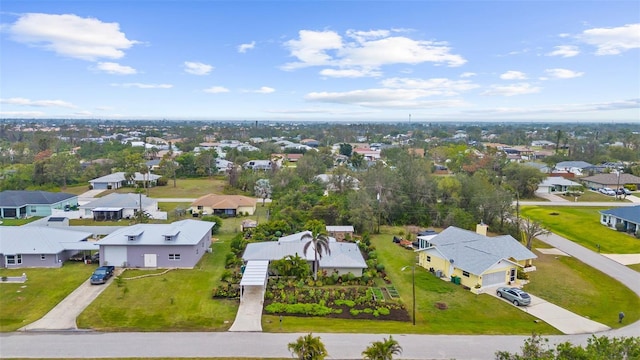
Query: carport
{"points": [[256, 273]]}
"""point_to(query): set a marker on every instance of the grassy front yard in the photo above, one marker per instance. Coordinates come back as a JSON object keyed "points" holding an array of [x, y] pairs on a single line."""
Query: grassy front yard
{"points": [[582, 225], [185, 188], [22, 304], [571, 284]]}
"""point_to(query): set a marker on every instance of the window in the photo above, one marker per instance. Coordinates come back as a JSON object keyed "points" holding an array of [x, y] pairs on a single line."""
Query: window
{"points": [[174, 256], [428, 258], [465, 273], [200, 207], [43, 257], [33, 210], [14, 259]]}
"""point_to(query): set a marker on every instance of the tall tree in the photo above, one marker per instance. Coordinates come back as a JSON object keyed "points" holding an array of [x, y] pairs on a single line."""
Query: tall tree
{"points": [[169, 168], [530, 230], [382, 350], [262, 189], [308, 347], [319, 239]]}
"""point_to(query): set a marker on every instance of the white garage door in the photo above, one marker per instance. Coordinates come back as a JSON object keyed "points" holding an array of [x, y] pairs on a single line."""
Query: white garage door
{"points": [[497, 278], [115, 255]]}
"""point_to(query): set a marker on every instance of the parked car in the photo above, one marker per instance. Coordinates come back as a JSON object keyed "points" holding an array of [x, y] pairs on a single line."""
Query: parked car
{"points": [[607, 191], [515, 295], [102, 274], [623, 191]]}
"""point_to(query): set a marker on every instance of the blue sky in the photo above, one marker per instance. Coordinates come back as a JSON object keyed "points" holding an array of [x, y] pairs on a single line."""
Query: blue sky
{"points": [[320, 60]]}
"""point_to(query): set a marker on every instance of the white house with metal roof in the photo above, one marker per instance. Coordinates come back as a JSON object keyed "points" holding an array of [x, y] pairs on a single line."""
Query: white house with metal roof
{"points": [[477, 260], [177, 245], [121, 206], [118, 180], [556, 185], [345, 257], [41, 246]]}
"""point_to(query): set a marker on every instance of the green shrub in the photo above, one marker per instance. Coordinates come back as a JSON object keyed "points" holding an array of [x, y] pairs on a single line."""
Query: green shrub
{"points": [[620, 226], [383, 311]]}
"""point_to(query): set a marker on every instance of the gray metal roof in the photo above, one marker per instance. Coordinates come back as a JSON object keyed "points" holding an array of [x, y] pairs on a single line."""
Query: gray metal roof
{"points": [[120, 201], [343, 254], [189, 232], [15, 198], [572, 164], [476, 253], [119, 177], [42, 240], [631, 213], [558, 180], [340, 228]]}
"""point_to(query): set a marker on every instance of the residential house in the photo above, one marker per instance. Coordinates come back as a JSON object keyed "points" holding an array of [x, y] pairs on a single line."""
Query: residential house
{"points": [[229, 205], [629, 217], [369, 154], [310, 142], [121, 206], [611, 180], [344, 258], [575, 167], [41, 246], [15, 204], [177, 245], [556, 185], [477, 260], [340, 232], [118, 180], [258, 165], [540, 166]]}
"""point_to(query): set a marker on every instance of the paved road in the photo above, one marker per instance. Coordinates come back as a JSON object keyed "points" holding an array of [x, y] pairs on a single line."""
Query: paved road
{"points": [[269, 345]]}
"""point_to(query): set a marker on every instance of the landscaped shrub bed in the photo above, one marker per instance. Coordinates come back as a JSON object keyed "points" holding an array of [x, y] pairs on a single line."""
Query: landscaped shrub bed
{"points": [[354, 302]]}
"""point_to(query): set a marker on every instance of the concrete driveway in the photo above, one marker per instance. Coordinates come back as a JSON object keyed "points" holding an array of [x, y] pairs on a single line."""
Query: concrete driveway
{"points": [[249, 315], [63, 316], [560, 318]]}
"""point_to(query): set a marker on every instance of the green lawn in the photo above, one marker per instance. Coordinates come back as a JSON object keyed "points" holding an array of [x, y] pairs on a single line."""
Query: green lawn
{"points": [[582, 225], [573, 285], [185, 188], [18, 222], [179, 300], [22, 304], [592, 196]]}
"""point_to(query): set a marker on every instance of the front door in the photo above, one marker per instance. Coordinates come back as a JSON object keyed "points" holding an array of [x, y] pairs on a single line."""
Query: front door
{"points": [[150, 260], [512, 276]]}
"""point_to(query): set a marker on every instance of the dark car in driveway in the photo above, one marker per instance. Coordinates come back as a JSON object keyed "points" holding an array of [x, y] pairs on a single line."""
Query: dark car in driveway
{"points": [[514, 295], [102, 274]]}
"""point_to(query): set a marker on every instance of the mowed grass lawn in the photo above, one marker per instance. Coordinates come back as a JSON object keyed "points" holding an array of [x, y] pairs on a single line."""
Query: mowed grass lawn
{"points": [[22, 304], [185, 188], [575, 286], [582, 225], [179, 300]]}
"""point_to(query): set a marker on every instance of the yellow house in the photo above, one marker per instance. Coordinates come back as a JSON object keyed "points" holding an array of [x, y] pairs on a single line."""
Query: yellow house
{"points": [[230, 205], [474, 259]]}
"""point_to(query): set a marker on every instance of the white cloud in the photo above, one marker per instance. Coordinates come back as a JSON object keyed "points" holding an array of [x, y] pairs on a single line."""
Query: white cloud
{"points": [[561, 108], [563, 73], [72, 36], [513, 75], [367, 50], [262, 90], [144, 86], [10, 114], [438, 86], [467, 74], [83, 113], [564, 51], [197, 68], [512, 90], [37, 103], [115, 68], [612, 41], [216, 90], [350, 73], [242, 48], [384, 98]]}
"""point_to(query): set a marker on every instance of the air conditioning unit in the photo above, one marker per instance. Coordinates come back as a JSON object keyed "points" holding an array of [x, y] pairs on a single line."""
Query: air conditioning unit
{"points": [[209, 250]]}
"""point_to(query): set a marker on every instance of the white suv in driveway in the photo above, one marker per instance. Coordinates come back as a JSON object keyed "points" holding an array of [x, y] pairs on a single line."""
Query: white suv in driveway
{"points": [[607, 191]]}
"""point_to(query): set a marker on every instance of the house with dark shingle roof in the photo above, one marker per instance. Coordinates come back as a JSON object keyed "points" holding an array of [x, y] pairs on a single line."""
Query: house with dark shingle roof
{"points": [[611, 181], [476, 259], [16, 204], [629, 217]]}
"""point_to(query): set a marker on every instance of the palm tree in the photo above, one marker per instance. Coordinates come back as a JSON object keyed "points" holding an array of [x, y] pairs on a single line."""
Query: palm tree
{"points": [[320, 241], [308, 347], [382, 350]]}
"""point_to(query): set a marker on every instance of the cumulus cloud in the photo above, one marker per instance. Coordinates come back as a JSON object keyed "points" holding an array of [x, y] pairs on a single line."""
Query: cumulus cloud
{"points": [[242, 48], [22, 113], [564, 51], [37, 103], [437, 86], [513, 75], [612, 41], [71, 35], [350, 73], [262, 90], [197, 68], [561, 108], [115, 68], [216, 90], [512, 90], [383, 98], [369, 50], [144, 86], [563, 73]]}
